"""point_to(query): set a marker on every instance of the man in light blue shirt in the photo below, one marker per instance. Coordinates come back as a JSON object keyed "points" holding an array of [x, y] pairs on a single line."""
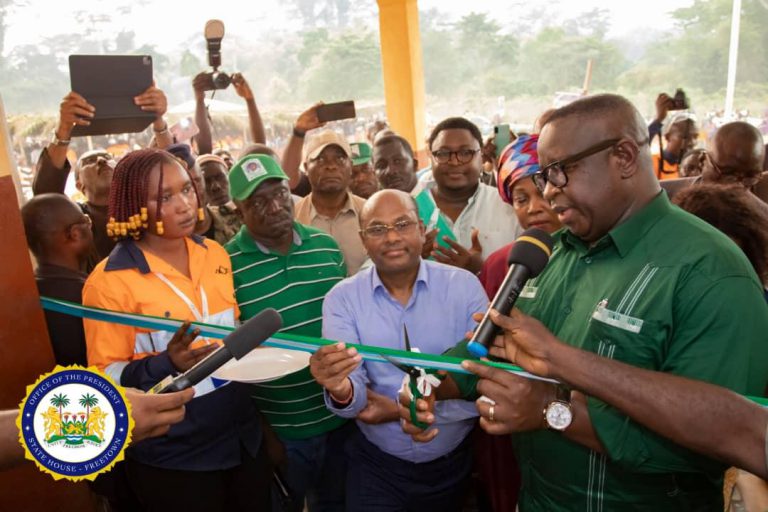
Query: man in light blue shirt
{"points": [[435, 302]]}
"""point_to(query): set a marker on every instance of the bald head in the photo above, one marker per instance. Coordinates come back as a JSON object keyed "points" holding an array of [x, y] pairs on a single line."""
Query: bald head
{"points": [[738, 148], [391, 197], [614, 115], [542, 120], [618, 112], [45, 218], [392, 234]]}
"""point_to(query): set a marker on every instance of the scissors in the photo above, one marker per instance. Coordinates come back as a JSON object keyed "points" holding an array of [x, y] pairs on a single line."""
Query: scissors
{"points": [[415, 375]]}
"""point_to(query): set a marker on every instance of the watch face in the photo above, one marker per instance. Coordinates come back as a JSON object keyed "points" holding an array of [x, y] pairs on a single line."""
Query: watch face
{"points": [[559, 415]]}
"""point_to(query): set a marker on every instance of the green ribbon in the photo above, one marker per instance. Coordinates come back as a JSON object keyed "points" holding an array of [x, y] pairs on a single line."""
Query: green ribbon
{"points": [[285, 341], [288, 341]]}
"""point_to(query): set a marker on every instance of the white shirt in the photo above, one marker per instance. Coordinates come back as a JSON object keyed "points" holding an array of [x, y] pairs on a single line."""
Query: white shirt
{"points": [[495, 219]]}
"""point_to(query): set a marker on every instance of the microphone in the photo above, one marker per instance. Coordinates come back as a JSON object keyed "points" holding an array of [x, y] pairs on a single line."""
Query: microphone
{"points": [[237, 344], [528, 257]]}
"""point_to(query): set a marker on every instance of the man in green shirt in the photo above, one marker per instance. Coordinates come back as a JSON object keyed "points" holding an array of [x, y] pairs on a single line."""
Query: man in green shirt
{"points": [[279, 263], [634, 279]]}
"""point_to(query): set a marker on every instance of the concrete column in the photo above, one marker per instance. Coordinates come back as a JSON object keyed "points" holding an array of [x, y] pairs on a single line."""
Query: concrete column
{"points": [[402, 66]]}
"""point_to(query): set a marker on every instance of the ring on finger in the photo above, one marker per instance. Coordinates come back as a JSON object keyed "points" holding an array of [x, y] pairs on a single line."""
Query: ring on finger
{"points": [[491, 411]]}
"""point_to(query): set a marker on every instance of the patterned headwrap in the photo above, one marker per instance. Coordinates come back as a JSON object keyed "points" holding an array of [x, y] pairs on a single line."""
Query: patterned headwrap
{"points": [[518, 160]]}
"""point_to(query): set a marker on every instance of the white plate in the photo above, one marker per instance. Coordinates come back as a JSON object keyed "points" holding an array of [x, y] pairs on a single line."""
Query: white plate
{"points": [[263, 365]]}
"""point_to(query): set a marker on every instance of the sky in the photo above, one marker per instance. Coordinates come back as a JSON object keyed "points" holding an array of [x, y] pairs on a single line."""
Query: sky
{"points": [[166, 25]]}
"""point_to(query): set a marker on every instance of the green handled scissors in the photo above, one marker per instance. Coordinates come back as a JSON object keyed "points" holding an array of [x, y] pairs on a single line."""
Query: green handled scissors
{"points": [[413, 384]]}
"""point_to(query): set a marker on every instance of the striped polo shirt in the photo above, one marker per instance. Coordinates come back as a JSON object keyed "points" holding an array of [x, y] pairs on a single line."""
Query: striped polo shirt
{"points": [[295, 285]]}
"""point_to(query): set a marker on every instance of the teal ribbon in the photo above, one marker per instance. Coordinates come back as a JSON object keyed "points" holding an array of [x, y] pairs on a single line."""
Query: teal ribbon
{"points": [[285, 341], [288, 341]]}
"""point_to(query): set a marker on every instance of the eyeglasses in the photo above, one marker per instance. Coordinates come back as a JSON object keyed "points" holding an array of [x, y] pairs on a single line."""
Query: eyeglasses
{"points": [[555, 174], [337, 159], [86, 219], [463, 156], [724, 174], [402, 227]]}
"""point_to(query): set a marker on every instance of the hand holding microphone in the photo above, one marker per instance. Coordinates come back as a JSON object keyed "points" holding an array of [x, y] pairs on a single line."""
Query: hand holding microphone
{"points": [[528, 257], [236, 345]]}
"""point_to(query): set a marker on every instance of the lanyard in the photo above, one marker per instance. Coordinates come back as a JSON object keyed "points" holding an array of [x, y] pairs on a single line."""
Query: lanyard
{"points": [[191, 305]]}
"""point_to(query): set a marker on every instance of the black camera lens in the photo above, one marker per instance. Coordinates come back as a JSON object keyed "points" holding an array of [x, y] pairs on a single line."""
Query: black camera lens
{"points": [[221, 80]]}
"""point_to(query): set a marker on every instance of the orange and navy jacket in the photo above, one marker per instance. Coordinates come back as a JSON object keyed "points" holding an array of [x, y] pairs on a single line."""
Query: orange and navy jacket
{"points": [[221, 415], [669, 171]]}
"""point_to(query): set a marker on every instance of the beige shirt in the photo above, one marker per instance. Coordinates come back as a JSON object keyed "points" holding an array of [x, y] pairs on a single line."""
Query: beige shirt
{"points": [[344, 227]]}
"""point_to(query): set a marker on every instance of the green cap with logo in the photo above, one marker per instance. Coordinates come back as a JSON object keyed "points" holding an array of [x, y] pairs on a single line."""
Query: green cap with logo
{"points": [[250, 172], [361, 153]]}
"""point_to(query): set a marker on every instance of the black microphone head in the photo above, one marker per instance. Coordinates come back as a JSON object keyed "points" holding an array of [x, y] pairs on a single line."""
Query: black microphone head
{"points": [[532, 249], [253, 332]]}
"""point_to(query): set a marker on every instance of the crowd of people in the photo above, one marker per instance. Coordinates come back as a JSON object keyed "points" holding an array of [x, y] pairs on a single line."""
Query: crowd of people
{"points": [[649, 315]]}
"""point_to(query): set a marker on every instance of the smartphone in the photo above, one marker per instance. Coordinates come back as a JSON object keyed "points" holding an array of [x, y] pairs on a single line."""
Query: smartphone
{"points": [[184, 129], [500, 138], [336, 111]]}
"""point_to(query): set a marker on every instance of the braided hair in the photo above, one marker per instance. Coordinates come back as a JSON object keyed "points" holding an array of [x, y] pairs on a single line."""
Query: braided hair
{"points": [[129, 193]]}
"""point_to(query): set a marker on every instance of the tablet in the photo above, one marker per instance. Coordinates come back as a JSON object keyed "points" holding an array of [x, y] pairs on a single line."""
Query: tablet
{"points": [[109, 83]]}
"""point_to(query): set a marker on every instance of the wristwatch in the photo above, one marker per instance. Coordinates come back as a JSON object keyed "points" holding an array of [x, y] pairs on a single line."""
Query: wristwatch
{"points": [[161, 131], [56, 141], [559, 414]]}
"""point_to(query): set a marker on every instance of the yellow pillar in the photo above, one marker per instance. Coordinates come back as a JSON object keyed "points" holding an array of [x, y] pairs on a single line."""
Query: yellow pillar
{"points": [[402, 66]]}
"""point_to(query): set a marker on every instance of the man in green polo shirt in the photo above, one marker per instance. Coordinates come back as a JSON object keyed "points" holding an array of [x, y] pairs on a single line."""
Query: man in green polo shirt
{"points": [[279, 263], [635, 279]]}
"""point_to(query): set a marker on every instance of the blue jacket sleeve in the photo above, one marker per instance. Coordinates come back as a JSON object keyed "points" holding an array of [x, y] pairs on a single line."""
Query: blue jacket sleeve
{"points": [[145, 373]]}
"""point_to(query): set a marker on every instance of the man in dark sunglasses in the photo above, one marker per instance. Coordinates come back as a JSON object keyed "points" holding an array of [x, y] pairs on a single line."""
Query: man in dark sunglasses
{"points": [[93, 169], [635, 279]]}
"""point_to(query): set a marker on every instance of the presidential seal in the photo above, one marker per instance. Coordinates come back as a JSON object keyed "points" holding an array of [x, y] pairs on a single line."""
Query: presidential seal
{"points": [[74, 423]]}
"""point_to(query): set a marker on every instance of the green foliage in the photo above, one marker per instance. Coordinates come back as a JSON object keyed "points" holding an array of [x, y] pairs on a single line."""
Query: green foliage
{"points": [[697, 57], [472, 60], [346, 67], [88, 400], [190, 64], [60, 400]]}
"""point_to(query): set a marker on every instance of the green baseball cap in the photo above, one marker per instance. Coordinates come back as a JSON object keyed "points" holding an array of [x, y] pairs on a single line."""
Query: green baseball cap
{"points": [[361, 153], [249, 172]]}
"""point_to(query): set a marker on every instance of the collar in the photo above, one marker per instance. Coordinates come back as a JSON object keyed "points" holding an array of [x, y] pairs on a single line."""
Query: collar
{"points": [[248, 244], [671, 158], [348, 206], [48, 271], [126, 255], [626, 235], [432, 185], [421, 277]]}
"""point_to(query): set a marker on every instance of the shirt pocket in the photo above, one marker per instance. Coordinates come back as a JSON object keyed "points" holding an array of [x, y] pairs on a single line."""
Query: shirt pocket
{"points": [[636, 341]]}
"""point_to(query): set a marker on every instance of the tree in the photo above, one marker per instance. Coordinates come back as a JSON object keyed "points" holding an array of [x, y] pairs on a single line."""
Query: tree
{"points": [[559, 60], [88, 400], [322, 13], [349, 67], [696, 58], [190, 64], [60, 401]]}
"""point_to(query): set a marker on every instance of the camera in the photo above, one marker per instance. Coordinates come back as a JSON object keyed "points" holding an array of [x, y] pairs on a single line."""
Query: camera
{"points": [[680, 101], [214, 33]]}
